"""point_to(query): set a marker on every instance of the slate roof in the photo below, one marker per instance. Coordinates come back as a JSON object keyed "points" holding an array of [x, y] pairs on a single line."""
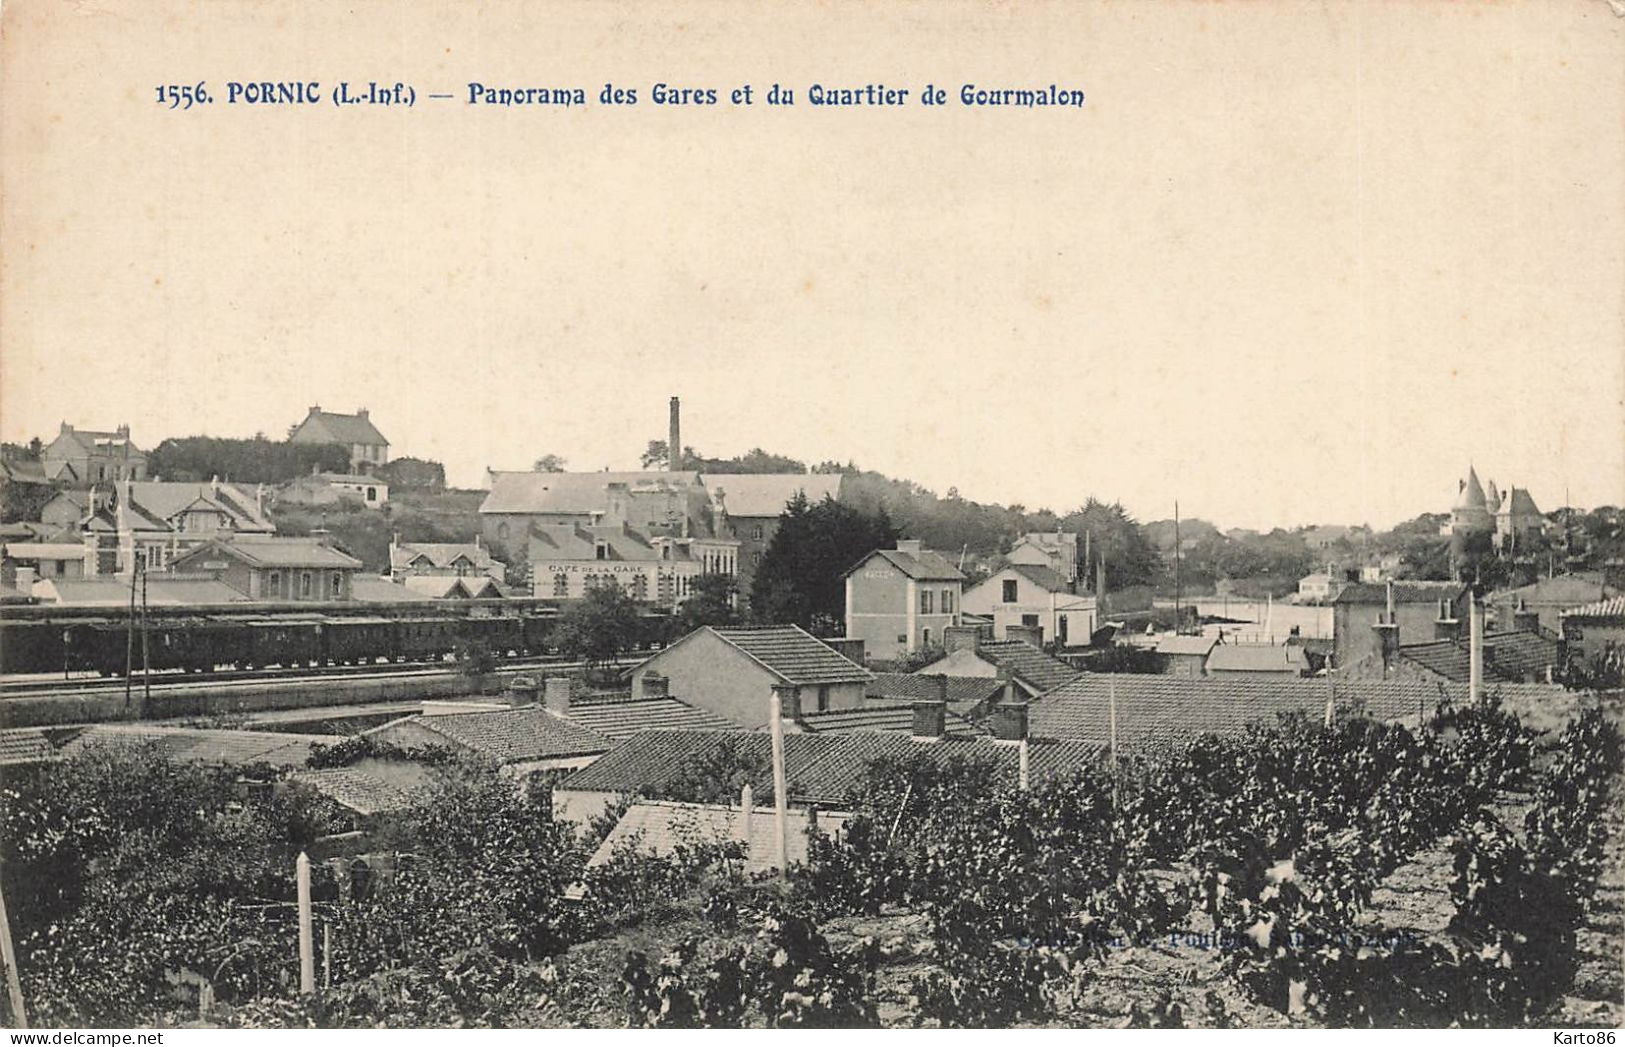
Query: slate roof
{"points": [[1612, 607], [923, 566], [512, 735], [624, 717], [25, 745], [965, 693], [208, 745], [451, 586], [157, 502], [363, 793], [1043, 577], [276, 552], [576, 493], [373, 589], [579, 542], [1170, 709], [108, 591], [766, 494], [1257, 658], [1512, 656], [877, 717], [1026, 662], [819, 768], [658, 827], [1404, 592], [794, 655], [1186, 645], [343, 428], [441, 555]]}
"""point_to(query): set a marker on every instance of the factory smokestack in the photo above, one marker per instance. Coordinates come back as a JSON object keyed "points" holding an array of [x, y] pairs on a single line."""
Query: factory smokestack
{"points": [[674, 440]]}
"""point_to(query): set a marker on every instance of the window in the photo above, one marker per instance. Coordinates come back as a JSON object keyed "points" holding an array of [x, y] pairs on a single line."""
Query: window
{"points": [[601, 551], [1009, 590], [823, 697], [502, 531], [1030, 621], [756, 532], [273, 582], [925, 637], [925, 601], [304, 584], [561, 584], [947, 601], [338, 585], [640, 587], [372, 494]]}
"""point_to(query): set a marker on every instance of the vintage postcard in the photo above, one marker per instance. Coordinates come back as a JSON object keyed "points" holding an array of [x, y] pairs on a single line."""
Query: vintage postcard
{"points": [[971, 515]]}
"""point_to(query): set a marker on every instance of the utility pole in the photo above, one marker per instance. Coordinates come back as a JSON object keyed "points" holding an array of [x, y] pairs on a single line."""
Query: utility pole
{"points": [[129, 639], [1177, 629], [146, 663], [307, 944], [780, 800]]}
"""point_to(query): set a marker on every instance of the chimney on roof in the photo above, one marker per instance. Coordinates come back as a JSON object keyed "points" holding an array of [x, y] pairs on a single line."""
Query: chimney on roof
{"points": [[317, 409], [556, 695], [67, 428], [1031, 635], [959, 638], [361, 413], [848, 647], [674, 437], [789, 699], [942, 688], [214, 484], [930, 721], [1010, 722], [1009, 693], [909, 545]]}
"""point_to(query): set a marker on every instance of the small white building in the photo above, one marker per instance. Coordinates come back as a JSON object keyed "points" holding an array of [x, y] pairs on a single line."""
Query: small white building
{"points": [[1036, 597]]}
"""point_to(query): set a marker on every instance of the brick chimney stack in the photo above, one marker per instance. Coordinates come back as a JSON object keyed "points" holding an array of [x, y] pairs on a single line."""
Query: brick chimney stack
{"points": [[674, 438]]}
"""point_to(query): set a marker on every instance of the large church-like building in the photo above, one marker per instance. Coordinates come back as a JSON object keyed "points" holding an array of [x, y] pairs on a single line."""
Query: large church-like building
{"points": [[1509, 519]]}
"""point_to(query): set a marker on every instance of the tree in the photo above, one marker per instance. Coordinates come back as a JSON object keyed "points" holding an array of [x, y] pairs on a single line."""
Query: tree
{"points": [[800, 579], [548, 463], [1116, 536], [413, 472], [200, 458], [655, 456], [598, 628], [710, 602]]}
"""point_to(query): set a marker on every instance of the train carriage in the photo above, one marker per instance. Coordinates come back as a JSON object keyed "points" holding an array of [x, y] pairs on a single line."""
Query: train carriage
{"points": [[359, 640]]}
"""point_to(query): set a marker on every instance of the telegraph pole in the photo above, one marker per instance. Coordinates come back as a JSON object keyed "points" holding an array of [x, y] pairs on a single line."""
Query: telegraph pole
{"points": [[1177, 629], [146, 663], [8, 959]]}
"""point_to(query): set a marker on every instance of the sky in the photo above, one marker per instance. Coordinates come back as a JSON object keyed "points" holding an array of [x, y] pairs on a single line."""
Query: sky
{"points": [[1290, 263]]}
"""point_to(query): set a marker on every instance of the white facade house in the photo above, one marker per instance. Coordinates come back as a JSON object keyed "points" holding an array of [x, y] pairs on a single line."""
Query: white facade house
{"points": [[1036, 597]]}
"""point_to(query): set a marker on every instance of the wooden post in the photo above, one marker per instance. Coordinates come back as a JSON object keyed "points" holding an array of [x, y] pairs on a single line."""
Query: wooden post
{"points": [[327, 954], [129, 641], [146, 661], [8, 957], [780, 788], [1475, 662], [1025, 778], [746, 807], [307, 946], [1111, 694]]}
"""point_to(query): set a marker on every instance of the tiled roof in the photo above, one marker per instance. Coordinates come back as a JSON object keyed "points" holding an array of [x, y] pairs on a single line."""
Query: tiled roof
{"points": [[209, 746], [1257, 658], [1612, 607], [1513, 656], [965, 693], [1041, 576], [576, 493], [1404, 592], [623, 718], [877, 717], [512, 735], [345, 428], [659, 827], [361, 792], [794, 655], [923, 566], [25, 745], [1159, 709], [766, 494], [1028, 663], [819, 768]]}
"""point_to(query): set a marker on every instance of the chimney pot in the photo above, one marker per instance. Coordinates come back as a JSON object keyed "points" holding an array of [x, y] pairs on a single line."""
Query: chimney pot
{"points": [[789, 696]]}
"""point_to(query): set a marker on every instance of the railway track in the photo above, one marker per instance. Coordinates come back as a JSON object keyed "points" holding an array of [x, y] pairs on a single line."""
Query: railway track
{"points": [[85, 683]]}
